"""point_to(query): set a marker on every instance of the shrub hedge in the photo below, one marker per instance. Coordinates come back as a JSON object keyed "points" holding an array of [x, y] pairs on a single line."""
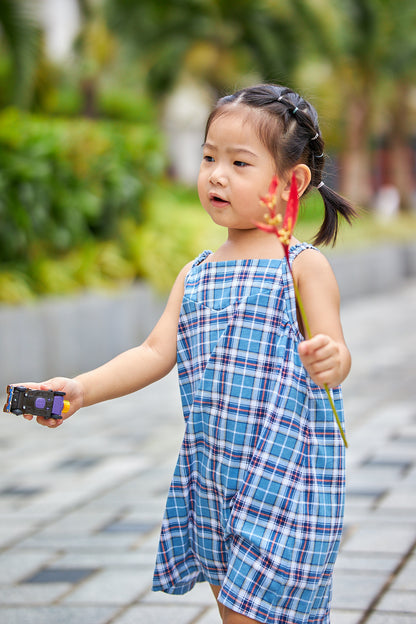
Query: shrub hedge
{"points": [[66, 188], [65, 182]]}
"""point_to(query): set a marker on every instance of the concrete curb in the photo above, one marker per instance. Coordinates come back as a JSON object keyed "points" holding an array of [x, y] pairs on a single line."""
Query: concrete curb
{"points": [[68, 335], [373, 270], [65, 336]]}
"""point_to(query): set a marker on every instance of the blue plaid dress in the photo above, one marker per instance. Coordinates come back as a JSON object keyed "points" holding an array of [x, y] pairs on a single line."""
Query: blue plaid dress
{"points": [[256, 501]]}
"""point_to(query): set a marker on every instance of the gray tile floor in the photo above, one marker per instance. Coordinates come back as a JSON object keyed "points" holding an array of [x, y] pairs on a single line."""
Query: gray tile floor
{"points": [[80, 507]]}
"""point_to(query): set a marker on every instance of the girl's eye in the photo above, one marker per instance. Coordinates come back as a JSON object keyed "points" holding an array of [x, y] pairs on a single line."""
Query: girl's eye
{"points": [[240, 163], [208, 158]]}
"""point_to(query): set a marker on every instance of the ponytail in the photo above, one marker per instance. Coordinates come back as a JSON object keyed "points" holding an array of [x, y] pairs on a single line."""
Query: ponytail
{"points": [[335, 207]]}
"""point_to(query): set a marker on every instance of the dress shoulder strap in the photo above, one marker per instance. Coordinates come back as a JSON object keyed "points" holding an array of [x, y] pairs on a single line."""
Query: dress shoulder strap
{"points": [[297, 249], [202, 256]]}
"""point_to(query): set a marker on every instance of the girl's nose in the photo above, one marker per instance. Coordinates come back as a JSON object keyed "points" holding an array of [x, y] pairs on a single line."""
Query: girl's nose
{"points": [[217, 177]]}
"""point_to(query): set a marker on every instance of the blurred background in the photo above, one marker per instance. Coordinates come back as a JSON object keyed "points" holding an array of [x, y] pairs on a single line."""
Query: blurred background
{"points": [[102, 111], [103, 105]]}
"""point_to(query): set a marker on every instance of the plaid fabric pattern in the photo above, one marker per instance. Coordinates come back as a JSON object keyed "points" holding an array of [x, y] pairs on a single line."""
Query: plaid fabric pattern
{"points": [[256, 501]]}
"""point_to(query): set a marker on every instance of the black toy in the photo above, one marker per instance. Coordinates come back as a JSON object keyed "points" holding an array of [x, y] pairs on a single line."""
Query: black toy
{"points": [[46, 403]]}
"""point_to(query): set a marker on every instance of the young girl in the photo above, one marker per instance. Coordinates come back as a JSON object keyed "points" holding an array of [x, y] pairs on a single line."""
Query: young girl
{"points": [[256, 502]]}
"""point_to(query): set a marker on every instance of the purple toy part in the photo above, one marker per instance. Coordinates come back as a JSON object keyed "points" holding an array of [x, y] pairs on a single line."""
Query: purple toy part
{"points": [[58, 404], [40, 403]]}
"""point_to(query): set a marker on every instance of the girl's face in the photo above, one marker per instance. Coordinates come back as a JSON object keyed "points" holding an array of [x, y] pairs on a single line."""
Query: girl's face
{"points": [[236, 170]]}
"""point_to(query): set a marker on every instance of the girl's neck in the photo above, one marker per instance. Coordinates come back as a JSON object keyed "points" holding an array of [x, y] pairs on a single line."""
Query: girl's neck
{"points": [[249, 244]]}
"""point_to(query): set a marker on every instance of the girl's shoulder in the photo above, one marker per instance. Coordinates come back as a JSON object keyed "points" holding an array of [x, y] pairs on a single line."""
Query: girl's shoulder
{"points": [[310, 264], [296, 249]]}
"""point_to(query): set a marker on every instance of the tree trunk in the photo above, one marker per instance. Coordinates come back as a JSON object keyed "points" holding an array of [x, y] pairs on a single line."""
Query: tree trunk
{"points": [[355, 160], [400, 153]]}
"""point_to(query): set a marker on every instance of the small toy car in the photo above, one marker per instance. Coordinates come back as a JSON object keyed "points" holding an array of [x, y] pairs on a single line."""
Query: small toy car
{"points": [[46, 403]]}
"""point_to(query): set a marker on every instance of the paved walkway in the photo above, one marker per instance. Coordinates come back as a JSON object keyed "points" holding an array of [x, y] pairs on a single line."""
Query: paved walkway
{"points": [[80, 507]]}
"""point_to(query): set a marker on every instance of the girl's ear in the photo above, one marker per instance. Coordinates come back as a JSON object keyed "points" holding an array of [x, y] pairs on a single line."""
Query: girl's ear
{"points": [[303, 178]]}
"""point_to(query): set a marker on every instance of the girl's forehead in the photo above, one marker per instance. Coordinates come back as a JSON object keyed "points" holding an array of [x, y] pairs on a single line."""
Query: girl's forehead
{"points": [[240, 113], [239, 120]]}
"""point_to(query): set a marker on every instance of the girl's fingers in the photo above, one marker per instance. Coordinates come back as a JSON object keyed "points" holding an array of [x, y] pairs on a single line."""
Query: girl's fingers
{"points": [[318, 348]]}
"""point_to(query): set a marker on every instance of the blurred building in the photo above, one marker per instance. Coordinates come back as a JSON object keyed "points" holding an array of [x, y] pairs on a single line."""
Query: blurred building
{"points": [[61, 21]]}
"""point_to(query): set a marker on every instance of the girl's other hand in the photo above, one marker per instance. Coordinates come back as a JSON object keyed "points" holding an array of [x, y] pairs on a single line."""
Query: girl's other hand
{"points": [[322, 358], [73, 393]]}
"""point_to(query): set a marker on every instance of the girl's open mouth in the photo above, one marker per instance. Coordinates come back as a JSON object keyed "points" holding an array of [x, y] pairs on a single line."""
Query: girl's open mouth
{"points": [[217, 201]]}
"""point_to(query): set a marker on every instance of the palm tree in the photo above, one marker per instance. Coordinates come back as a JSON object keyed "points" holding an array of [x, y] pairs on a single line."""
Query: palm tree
{"points": [[95, 48], [22, 38], [219, 40], [400, 68], [370, 44]]}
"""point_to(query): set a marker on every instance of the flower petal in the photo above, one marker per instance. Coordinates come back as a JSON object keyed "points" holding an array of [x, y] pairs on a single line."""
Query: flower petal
{"points": [[292, 208], [273, 185], [271, 229]]}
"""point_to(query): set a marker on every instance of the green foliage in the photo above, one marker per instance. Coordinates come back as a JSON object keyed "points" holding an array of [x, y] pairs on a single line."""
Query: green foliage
{"points": [[128, 106], [66, 189], [176, 229], [173, 231], [22, 37], [65, 182], [237, 36]]}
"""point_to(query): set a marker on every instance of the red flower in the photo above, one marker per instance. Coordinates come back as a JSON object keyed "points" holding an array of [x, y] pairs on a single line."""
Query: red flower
{"points": [[273, 219], [284, 234]]}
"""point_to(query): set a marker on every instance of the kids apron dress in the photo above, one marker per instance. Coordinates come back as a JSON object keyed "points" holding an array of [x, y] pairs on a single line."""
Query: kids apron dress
{"points": [[256, 501]]}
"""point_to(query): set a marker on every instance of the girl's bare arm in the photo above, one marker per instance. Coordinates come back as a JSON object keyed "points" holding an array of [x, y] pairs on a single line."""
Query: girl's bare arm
{"points": [[325, 356], [130, 371]]}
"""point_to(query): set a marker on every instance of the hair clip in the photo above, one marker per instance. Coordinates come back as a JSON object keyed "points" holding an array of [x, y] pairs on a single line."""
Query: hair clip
{"points": [[295, 110], [315, 137], [320, 185], [320, 155]]}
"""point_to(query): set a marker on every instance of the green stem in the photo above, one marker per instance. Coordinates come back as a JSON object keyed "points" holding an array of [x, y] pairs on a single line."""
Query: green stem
{"points": [[302, 310], [309, 335], [334, 411]]}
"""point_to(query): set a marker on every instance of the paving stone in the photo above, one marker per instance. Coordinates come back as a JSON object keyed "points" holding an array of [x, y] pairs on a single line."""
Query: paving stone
{"points": [[77, 523], [22, 491], [394, 516], [159, 615], [10, 533], [89, 543], [200, 594], [57, 614], [400, 499], [369, 562], [114, 586], [388, 465], [356, 591], [128, 527], [211, 616], [399, 602], [381, 539], [34, 594], [60, 575], [390, 618], [16, 564], [365, 496], [345, 617], [150, 543], [107, 559], [406, 579]]}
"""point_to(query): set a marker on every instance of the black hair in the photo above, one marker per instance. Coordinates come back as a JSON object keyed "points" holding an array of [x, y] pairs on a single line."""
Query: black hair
{"points": [[288, 126]]}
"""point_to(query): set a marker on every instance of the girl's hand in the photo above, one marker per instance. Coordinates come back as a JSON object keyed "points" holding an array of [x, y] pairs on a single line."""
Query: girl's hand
{"points": [[73, 393], [323, 359]]}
